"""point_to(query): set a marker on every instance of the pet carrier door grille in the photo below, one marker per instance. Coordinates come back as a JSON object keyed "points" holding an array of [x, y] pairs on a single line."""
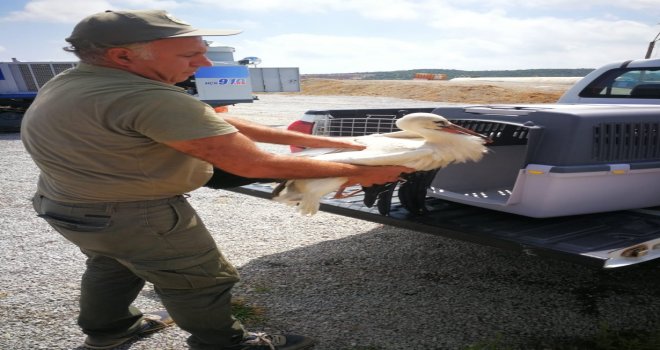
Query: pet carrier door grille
{"points": [[499, 133], [626, 142]]}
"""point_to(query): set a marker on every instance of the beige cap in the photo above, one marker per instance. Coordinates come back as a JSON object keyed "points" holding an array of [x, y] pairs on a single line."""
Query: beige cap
{"points": [[113, 28]]}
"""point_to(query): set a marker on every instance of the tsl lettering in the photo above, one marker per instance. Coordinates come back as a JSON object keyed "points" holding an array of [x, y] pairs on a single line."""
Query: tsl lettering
{"points": [[228, 81]]}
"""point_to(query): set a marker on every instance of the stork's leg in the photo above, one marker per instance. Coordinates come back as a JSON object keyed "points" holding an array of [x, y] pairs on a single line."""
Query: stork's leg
{"points": [[380, 195], [340, 194], [412, 193], [371, 194], [385, 198], [279, 188]]}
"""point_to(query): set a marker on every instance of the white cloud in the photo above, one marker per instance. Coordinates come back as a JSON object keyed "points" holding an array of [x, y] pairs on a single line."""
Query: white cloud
{"points": [[72, 11], [586, 42], [325, 53], [148, 4], [406, 34], [54, 11], [568, 5], [312, 6], [386, 9], [419, 9], [504, 44], [374, 9]]}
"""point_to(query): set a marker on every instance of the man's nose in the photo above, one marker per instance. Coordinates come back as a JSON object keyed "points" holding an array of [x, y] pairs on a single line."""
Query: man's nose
{"points": [[203, 62], [206, 61]]}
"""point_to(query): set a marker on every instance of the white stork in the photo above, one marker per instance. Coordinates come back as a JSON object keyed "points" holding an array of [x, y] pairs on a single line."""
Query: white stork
{"points": [[427, 142]]}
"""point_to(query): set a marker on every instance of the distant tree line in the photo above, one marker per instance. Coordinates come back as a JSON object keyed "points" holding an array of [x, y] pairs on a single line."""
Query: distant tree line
{"points": [[454, 73]]}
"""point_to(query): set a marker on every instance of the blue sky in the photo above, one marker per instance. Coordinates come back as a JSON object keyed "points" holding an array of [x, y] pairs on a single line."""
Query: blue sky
{"points": [[335, 36]]}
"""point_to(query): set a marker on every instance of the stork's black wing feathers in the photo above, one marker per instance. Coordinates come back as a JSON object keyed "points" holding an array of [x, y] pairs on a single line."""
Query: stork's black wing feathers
{"points": [[222, 179]]}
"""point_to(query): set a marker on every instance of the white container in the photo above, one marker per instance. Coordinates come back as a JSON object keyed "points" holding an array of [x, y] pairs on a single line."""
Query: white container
{"points": [[539, 192]]}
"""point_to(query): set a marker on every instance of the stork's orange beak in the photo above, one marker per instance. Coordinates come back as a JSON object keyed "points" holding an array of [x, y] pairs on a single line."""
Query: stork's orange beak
{"points": [[455, 129]]}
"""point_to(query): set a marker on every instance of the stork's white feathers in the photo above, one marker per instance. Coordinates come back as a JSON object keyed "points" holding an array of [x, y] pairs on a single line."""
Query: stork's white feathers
{"points": [[428, 141]]}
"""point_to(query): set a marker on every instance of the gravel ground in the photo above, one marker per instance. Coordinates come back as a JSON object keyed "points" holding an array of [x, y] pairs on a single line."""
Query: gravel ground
{"points": [[349, 283]]}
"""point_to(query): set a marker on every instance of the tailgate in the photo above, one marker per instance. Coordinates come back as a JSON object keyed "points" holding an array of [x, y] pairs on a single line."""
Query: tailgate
{"points": [[593, 239]]}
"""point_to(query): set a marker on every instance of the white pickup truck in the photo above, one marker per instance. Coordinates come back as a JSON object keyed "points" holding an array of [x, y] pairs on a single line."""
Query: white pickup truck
{"points": [[629, 82], [578, 179]]}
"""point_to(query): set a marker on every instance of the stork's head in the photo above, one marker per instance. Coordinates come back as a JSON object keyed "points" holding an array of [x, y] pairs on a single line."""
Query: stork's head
{"points": [[417, 122]]}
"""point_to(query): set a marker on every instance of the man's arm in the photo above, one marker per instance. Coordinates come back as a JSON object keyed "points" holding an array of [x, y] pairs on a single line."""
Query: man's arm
{"points": [[238, 154], [262, 133]]}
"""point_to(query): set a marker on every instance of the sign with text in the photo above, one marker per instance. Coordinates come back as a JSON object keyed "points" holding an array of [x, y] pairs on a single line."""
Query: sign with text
{"points": [[224, 84]]}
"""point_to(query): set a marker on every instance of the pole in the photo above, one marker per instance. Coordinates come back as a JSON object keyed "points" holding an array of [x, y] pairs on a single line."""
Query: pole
{"points": [[650, 49], [651, 46]]}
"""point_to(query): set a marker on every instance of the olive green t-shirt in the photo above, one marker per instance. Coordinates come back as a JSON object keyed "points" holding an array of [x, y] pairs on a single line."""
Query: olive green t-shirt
{"points": [[96, 134]]}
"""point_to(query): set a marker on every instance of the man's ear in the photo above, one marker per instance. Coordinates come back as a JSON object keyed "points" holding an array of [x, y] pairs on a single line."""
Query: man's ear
{"points": [[120, 55]]}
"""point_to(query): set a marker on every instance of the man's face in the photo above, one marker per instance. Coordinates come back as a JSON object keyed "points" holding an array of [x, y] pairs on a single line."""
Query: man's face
{"points": [[172, 60]]}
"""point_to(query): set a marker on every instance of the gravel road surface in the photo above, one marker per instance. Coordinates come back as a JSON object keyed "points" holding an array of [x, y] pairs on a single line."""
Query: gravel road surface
{"points": [[349, 283]]}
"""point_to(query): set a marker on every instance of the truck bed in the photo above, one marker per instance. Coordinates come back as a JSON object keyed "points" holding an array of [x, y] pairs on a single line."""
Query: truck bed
{"points": [[560, 180], [570, 238]]}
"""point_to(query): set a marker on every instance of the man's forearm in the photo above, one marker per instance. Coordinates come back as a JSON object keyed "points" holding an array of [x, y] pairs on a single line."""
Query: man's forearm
{"points": [[237, 154], [266, 134]]}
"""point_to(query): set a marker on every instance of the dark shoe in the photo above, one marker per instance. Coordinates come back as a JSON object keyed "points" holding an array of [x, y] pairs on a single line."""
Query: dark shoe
{"points": [[263, 341], [151, 322]]}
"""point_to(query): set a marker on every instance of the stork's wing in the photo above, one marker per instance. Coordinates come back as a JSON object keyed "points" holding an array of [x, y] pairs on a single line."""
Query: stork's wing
{"points": [[397, 139], [366, 157], [403, 134], [314, 152]]}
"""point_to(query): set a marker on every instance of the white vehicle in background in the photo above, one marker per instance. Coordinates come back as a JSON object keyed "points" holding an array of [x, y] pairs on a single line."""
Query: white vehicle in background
{"points": [[628, 82]]}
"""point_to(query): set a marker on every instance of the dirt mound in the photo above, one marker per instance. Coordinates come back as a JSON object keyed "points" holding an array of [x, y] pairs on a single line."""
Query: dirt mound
{"points": [[439, 91]]}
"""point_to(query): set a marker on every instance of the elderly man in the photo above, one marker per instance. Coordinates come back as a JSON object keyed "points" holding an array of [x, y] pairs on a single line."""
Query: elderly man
{"points": [[118, 144]]}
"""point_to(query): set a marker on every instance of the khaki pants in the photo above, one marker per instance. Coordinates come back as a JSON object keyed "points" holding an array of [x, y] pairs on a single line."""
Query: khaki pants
{"points": [[160, 241]]}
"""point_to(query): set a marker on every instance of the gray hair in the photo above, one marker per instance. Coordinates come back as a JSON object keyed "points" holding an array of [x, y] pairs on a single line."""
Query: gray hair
{"points": [[93, 53]]}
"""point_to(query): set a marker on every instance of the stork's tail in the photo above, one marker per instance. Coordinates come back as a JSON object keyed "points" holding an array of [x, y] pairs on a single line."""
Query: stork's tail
{"points": [[306, 194]]}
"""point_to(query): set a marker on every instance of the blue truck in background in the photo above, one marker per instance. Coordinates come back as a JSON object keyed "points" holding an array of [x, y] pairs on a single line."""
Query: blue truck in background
{"points": [[227, 82]]}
